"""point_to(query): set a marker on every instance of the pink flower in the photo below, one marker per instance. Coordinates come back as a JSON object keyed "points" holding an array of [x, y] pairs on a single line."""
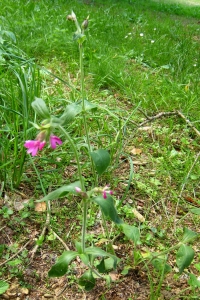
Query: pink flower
{"points": [[77, 189], [54, 140], [106, 191], [34, 146]]}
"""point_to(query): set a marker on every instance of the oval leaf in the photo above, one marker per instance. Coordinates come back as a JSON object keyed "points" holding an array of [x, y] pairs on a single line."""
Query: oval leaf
{"points": [[87, 280], [70, 113], [194, 281], [188, 235], [73, 109], [132, 233], [61, 266], [108, 208], [96, 251], [160, 264], [3, 286], [90, 106], [40, 108], [101, 159], [184, 257], [195, 211]]}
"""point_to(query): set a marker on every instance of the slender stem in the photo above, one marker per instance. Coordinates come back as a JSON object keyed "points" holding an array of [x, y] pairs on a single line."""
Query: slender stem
{"points": [[83, 110], [76, 155], [107, 234], [38, 176], [84, 224]]}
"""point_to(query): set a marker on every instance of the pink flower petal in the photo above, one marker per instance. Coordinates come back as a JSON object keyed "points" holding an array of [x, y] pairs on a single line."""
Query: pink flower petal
{"points": [[104, 194], [54, 140], [33, 146], [77, 189], [41, 146]]}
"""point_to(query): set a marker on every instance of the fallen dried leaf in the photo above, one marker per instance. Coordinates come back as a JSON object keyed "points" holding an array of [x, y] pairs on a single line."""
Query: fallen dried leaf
{"points": [[40, 207], [114, 276], [136, 151], [145, 128], [138, 215]]}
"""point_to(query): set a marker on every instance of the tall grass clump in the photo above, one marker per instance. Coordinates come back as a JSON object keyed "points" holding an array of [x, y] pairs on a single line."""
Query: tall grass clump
{"points": [[20, 83]]}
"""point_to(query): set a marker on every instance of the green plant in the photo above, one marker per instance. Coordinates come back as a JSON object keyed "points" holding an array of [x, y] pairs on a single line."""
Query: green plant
{"points": [[99, 161], [19, 85], [140, 59]]}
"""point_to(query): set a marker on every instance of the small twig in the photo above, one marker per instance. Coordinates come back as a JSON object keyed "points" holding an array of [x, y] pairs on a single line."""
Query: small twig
{"points": [[10, 258], [59, 238], [158, 116], [62, 290], [167, 114], [46, 225], [188, 122], [2, 228], [146, 116], [183, 185]]}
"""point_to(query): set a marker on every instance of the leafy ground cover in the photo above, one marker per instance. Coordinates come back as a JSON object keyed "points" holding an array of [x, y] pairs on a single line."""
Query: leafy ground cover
{"points": [[141, 65]]}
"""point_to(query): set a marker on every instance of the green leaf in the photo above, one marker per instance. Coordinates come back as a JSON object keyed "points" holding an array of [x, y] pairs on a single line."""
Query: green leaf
{"points": [[87, 280], [40, 108], [78, 247], [61, 266], [184, 257], [96, 251], [195, 211], [101, 266], [106, 264], [3, 286], [70, 113], [131, 232], [85, 258], [61, 192], [15, 262], [194, 281], [89, 105], [108, 208], [126, 270], [188, 235], [73, 109], [159, 264], [10, 35], [40, 240], [197, 266], [101, 159]]}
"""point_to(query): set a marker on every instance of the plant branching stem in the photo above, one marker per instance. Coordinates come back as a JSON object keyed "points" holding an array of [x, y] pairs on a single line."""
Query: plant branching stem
{"points": [[169, 250], [71, 142], [73, 147], [107, 234], [16, 254], [84, 111]]}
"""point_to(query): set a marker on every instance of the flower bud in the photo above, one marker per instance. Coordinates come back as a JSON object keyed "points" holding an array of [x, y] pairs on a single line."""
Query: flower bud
{"points": [[85, 24], [41, 136], [71, 17]]}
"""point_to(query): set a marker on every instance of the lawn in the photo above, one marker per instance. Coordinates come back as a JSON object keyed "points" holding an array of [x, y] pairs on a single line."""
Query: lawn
{"points": [[99, 154]]}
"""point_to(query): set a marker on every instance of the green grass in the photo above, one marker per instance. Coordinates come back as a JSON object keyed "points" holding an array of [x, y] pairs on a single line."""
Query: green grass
{"points": [[140, 57]]}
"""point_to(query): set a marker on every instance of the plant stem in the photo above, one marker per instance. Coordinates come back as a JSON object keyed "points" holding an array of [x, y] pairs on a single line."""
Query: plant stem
{"points": [[84, 224], [110, 245], [70, 140], [84, 112], [38, 175]]}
